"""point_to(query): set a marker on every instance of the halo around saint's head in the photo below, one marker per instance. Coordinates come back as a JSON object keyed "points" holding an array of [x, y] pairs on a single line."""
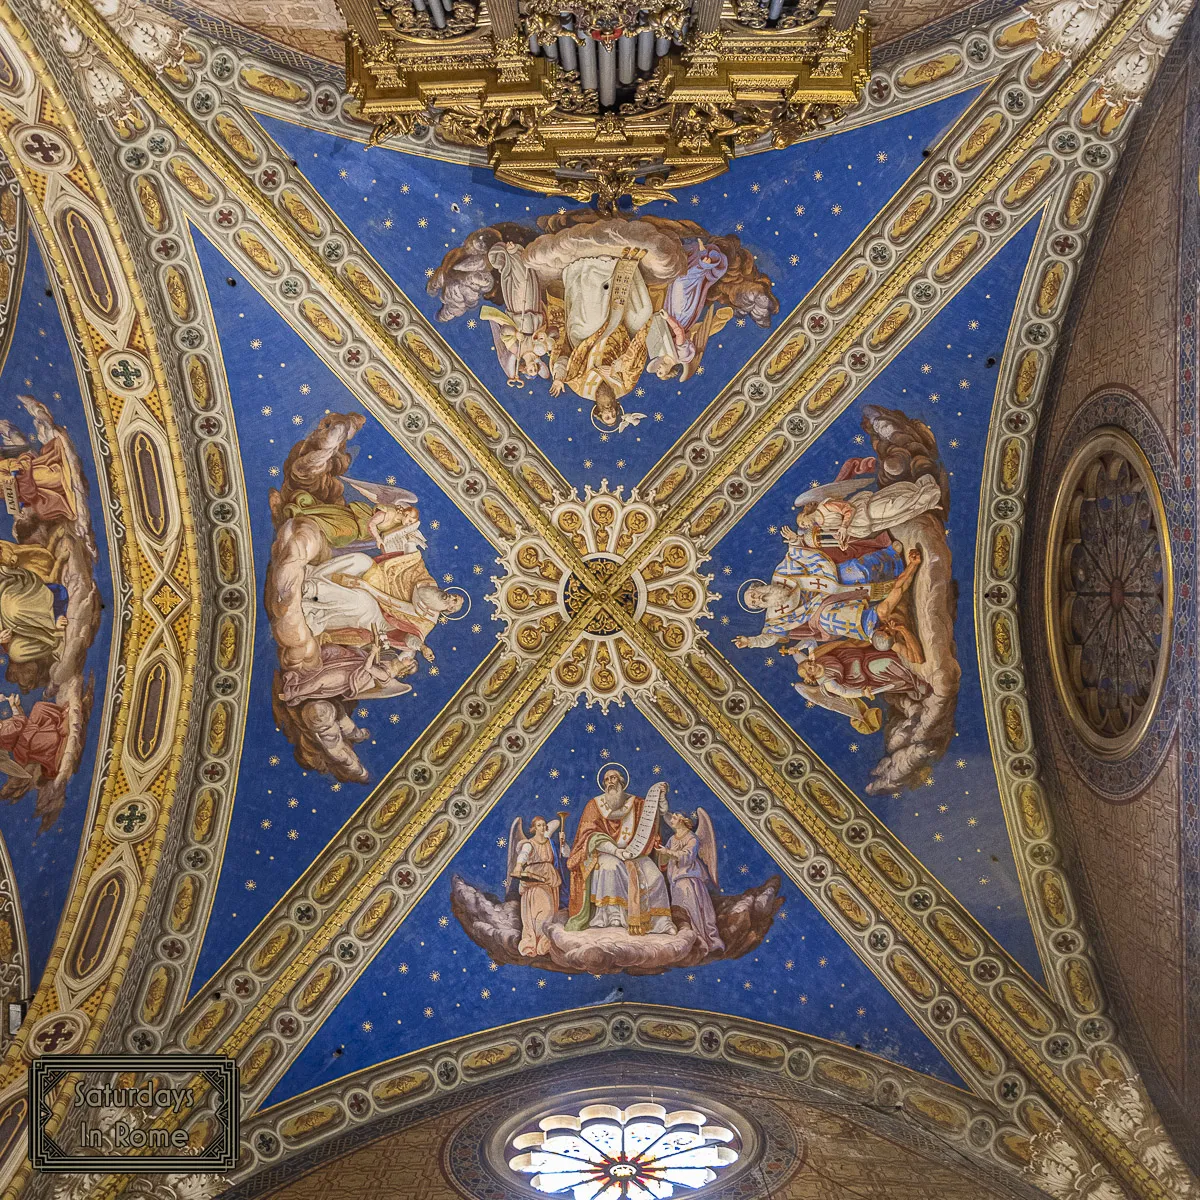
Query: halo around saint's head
{"points": [[462, 612], [611, 766], [749, 583]]}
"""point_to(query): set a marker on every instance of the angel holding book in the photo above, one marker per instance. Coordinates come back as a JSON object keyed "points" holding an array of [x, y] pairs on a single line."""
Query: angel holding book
{"points": [[531, 863], [691, 871]]}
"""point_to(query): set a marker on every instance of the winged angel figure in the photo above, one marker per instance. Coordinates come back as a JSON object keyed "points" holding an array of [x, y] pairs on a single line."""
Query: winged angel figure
{"points": [[589, 303], [615, 897], [864, 599], [351, 601]]}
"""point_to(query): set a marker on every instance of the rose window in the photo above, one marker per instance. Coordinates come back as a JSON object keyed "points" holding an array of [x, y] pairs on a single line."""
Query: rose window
{"points": [[642, 1152], [1109, 593]]}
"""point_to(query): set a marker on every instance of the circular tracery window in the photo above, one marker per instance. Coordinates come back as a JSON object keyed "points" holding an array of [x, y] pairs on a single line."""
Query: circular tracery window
{"points": [[1108, 593], [642, 1152]]}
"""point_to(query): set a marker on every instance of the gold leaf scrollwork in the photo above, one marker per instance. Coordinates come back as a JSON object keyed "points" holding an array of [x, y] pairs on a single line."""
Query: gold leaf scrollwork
{"points": [[478, 1062], [207, 1024], [370, 921], [1023, 1008], [1054, 899], [481, 419], [151, 202], [1078, 201], [766, 454], [1033, 814], [322, 322], [191, 181], [977, 1050], [431, 843], [894, 871], [499, 678], [1002, 551], [668, 1032], [708, 518], [258, 253], [499, 518], [729, 774], [486, 775], [1051, 288], [156, 994], [333, 878], [725, 424], [181, 907], [379, 383], [202, 817], [1029, 180], [442, 454], [1080, 985], [1002, 638], [447, 740], [673, 478], [914, 212], [300, 213], [1014, 724], [845, 1076], [786, 355], [821, 399], [671, 710], [268, 953], [958, 254], [257, 1060], [755, 1049], [312, 992], [1010, 464], [233, 136], [826, 800], [979, 139], [848, 905], [394, 1088], [913, 979], [422, 352], [891, 324], [390, 809], [300, 1126], [199, 381], [955, 936], [930, 71], [788, 838], [364, 285], [848, 287]]}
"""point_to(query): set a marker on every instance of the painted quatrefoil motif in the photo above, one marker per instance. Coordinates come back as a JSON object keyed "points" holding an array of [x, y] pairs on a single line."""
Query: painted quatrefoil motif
{"points": [[661, 601]]}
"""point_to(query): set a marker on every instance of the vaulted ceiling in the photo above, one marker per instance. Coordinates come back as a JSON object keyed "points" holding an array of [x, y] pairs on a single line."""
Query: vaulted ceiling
{"points": [[960, 894]]}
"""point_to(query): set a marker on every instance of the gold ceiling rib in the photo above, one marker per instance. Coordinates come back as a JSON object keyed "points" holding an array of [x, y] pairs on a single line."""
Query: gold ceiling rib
{"points": [[791, 334], [894, 283], [1051, 1085], [582, 1039], [1091, 1128], [216, 160], [98, 851], [209, 1015]]}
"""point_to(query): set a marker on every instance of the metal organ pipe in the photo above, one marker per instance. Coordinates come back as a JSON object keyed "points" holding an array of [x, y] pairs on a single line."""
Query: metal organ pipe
{"points": [[566, 53], [625, 59], [587, 63], [645, 50], [608, 75]]}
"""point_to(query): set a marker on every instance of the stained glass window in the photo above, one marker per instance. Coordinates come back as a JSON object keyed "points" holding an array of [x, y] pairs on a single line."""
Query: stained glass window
{"points": [[642, 1152]]}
